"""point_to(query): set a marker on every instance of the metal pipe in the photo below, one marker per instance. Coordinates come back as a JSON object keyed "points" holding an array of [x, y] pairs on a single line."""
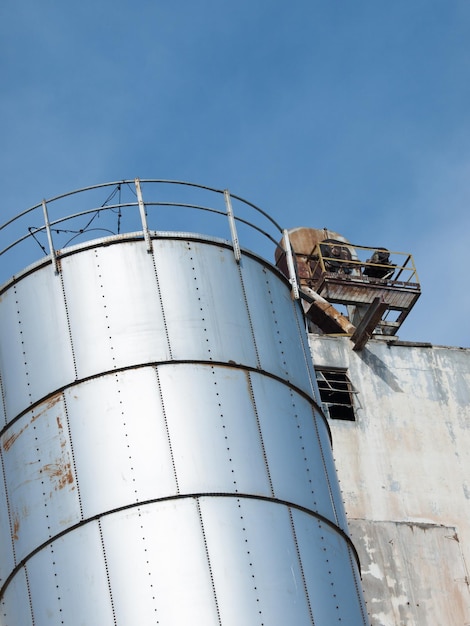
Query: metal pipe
{"points": [[290, 265]]}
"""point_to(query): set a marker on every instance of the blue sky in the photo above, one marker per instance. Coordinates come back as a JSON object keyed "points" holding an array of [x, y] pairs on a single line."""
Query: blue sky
{"points": [[349, 115]]}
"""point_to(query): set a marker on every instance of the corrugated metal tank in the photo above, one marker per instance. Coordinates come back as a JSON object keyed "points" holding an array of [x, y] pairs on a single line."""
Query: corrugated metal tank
{"points": [[164, 459]]}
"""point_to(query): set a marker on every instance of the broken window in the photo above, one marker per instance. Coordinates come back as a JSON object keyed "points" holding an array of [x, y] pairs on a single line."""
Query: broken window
{"points": [[336, 393]]}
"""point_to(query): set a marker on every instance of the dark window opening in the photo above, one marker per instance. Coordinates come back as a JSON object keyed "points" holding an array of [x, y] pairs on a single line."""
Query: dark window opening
{"points": [[336, 394]]}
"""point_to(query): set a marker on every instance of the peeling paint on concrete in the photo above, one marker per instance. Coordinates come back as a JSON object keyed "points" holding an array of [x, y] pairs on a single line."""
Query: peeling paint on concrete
{"points": [[412, 573], [403, 466]]}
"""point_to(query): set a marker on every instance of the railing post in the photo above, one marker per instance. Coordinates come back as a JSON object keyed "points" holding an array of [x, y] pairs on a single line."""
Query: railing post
{"points": [[320, 258], [233, 228], [49, 237], [290, 265], [143, 215]]}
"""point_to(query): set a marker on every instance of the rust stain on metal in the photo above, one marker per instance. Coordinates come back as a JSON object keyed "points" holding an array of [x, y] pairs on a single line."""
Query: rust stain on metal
{"points": [[10, 439], [60, 473], [60, 470], [16, 527], [52, 401], [63, 441], [48, 405]]}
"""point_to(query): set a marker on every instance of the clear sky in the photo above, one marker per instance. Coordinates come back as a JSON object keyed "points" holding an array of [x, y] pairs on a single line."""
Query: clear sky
{"points": [[351, 115]]}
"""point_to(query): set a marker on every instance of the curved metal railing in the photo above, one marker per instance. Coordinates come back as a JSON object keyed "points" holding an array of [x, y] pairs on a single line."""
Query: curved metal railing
{"points": [[139, 206]]}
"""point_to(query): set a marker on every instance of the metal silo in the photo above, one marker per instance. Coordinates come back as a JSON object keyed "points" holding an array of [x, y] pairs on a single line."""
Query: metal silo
{"points": [[164, 457]]}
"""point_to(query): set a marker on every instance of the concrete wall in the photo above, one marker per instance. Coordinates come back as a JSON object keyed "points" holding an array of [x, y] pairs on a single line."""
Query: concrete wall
{"points": [[404, 469]]}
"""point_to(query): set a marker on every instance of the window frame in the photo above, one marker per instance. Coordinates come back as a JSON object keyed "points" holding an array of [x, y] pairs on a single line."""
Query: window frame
{"points": [[337, 393]]}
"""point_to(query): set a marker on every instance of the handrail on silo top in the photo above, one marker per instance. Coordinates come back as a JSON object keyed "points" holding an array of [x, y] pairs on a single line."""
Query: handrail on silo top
{"points": [[74, 217], [49, 237], [143, 215], [233, 227]]}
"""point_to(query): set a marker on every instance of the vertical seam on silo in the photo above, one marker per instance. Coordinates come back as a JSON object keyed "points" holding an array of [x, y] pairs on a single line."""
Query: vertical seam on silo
{"points": [[69, 432], [327, 477], [151, 585], [198, 505], [307, 357], [41, 471], [224, 428], [108, 579], [126, 439], [12, 532], [55, 576], [203, 319], [248, 552], [30, 599], [165, 420], [278, 332], [359, 594], [152, 254], [301, 437], [69, 329], [28, 384], [105, 306], [2, 391], [299, 559], [250, 321], [330, 571], [258, 424]]}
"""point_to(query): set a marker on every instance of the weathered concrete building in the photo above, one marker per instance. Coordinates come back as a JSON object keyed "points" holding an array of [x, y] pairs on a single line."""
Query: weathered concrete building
{"points": [[403, 459]]}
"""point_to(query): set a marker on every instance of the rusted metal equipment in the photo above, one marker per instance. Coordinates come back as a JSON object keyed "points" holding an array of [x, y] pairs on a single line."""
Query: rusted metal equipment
{"points": [[355, 277]]}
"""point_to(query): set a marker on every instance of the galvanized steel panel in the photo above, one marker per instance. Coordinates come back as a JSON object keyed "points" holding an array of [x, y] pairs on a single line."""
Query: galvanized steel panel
{"points": [[3, 414], [15, 606], [331, 573], [134, 552], [297, 470], [205, 311], [6, 531], [164, 558], [42, 490], [301, 323], [121, 448], [254, 562], [212, 429], [274, 324], [68, 581], [114, 309], [12, 360], [326, 453], [35, 351], [231, 401], [231, 558]]}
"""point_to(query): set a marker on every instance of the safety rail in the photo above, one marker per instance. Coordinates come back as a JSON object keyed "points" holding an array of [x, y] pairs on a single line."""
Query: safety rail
{"points": [[141, 207], [365, 264], [376, 287]]}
